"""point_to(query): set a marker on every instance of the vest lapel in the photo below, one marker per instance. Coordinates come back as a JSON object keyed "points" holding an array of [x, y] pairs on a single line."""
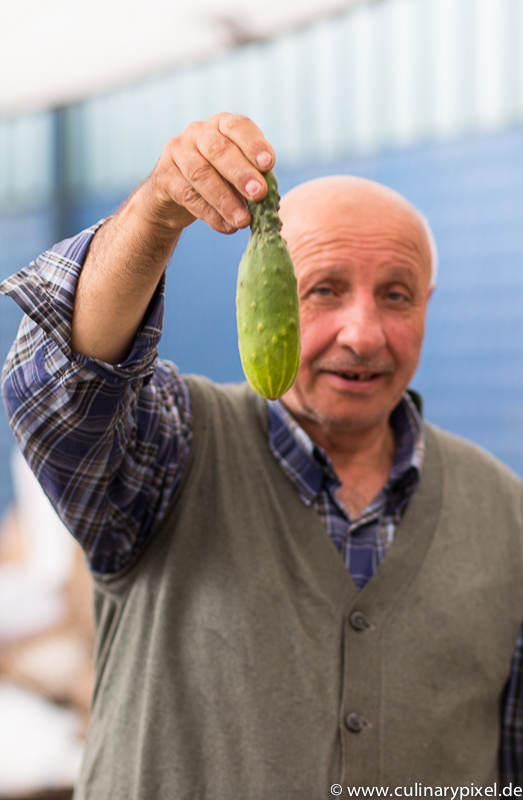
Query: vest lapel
{"points": [[412, 539]]}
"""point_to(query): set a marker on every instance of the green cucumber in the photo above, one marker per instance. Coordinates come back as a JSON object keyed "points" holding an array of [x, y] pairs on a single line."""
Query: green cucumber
{"points": [[267, 308]]}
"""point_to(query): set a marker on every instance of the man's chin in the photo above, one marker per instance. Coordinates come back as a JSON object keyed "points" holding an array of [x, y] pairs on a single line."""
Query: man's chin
{"points": [[343, 410]]}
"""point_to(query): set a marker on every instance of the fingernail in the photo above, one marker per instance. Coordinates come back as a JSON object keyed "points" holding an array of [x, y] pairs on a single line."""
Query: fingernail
{"points": [[264, 159], [241, 217], [253, 187]]}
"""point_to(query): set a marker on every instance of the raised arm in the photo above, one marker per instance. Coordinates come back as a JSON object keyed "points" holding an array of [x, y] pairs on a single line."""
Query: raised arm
{"points": [[105, 425], [207, 172]]}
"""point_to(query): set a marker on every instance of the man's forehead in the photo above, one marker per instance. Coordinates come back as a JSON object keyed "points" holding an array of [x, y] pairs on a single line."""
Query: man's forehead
{"points": [[335, 192], [317, 210]]}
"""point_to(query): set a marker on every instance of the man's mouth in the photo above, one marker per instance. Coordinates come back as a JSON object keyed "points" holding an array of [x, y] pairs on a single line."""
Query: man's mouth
{"points": [[358, 376]]}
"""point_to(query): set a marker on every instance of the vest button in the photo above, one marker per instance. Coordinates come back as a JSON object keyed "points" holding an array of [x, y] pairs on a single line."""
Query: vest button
{"points": [[358, 620], [354, 722]]}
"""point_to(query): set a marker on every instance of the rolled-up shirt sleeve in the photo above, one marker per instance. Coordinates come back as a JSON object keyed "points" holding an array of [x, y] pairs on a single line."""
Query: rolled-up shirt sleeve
{"points": [[108, 443]]}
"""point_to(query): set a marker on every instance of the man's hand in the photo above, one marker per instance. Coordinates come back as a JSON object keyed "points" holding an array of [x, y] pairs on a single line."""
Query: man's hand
{"points": [[208, 172]]}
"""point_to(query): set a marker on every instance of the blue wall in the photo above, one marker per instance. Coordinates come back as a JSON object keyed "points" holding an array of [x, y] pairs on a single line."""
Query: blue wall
{"points": [[471, 373]]}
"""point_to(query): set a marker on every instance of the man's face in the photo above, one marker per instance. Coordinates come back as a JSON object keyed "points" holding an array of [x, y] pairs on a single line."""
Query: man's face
{"points": [[363, 281]]}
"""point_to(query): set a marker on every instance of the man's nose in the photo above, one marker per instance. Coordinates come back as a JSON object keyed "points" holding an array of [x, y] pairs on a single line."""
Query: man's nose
{"points": [[361, 328]]}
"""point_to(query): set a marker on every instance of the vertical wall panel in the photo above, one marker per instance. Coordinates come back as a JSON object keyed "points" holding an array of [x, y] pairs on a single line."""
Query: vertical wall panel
{"points": [[23, 155], [148, 153], [346, 82], [256, 94], [446, 120], [74, 161], [225, 85], [403, 69], [97, 163], [491, 66], [514, 50], [382, 18], [192, 95], [5, 161], [160, 112], [124, 150], [325, 90], [26, 159], [424, 71], [284, 78], [363, 66], [305, 114], [178, 103], [465, 78]]}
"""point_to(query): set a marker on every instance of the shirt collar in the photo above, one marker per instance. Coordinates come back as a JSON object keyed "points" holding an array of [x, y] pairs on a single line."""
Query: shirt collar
{"points": [[310, 468]]}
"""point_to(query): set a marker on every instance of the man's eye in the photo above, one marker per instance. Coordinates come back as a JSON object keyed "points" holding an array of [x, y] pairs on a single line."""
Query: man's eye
{"points": [[323, 291], [397, 297]]}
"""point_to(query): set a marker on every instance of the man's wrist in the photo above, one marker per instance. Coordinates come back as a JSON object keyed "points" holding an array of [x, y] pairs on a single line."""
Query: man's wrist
{"points": [[157, 216]]}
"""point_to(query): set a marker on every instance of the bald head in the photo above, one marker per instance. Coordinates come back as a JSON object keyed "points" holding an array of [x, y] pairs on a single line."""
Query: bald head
{"points": [[345, 200]]}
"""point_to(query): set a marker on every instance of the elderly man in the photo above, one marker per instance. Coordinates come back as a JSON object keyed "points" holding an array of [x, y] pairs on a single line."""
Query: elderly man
{"points": [[296, 598]]}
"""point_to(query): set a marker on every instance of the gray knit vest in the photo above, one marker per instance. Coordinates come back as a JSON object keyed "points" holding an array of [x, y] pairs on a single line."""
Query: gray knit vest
{"points": [[236, 658]]}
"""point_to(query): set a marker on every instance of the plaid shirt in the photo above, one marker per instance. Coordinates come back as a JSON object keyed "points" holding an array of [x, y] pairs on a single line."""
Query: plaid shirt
{"points": [[362, 542], [109, 445]]}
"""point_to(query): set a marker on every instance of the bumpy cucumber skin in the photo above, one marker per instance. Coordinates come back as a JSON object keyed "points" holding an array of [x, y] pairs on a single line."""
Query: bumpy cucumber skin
{"points": [[267, 308]]}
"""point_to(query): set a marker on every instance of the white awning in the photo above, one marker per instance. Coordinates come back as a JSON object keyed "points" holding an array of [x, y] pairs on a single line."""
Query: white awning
{"points": [[54, 52]]}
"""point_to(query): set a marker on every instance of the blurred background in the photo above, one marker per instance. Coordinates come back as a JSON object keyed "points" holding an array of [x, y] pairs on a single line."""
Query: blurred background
{"points": [[425, 96]]}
